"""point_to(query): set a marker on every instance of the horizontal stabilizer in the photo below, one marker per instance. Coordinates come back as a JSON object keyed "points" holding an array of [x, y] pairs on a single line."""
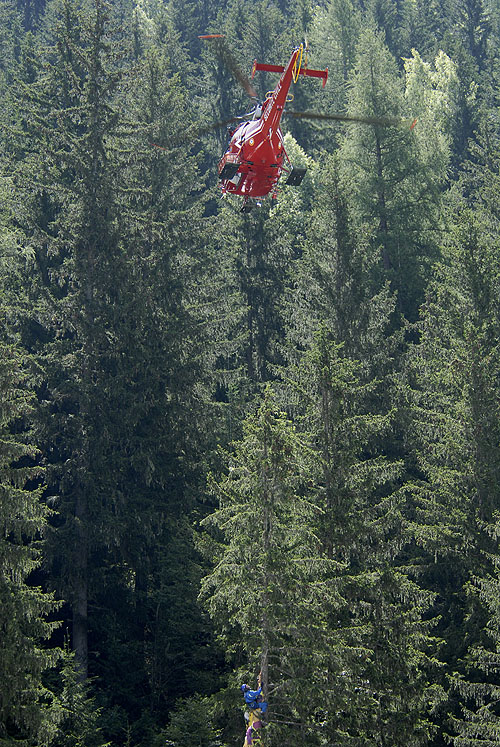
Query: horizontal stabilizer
{"points": [[280, 69]]}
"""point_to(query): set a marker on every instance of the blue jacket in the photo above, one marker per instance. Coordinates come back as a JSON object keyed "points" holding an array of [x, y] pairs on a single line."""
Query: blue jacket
{"points": [[252, 699]]}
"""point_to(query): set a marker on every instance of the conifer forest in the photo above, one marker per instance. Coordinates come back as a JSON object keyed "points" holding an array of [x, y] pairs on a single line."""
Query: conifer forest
{"points": [[240, 445]]}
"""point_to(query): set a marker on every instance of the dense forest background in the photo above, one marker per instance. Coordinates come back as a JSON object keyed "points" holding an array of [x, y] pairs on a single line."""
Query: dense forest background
{"points": [[240, 442]]}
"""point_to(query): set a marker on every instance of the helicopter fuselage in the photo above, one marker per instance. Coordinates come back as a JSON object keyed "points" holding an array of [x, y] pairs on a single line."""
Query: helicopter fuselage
{"points": [[253, 161]]}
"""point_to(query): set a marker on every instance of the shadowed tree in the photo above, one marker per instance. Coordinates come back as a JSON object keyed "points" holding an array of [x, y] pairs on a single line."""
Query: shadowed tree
{"points": [[28, 711]]}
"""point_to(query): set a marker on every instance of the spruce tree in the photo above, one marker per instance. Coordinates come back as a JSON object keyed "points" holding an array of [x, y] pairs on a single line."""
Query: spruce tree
{"points": [[392, 194], [265, 588], [10, 41], [74, 216], [474, 24], [261, 247], [455, 434], [381, 650], [28, 711], [80, 722], [164, 427], [341, 390], [335, 30], [335, 279], [118, 312], [333, 38], [478, 722], [382, 15]]}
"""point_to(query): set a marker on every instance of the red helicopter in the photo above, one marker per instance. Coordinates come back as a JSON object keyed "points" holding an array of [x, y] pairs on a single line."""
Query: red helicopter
{"points": [[255, 158], [256, 155]]}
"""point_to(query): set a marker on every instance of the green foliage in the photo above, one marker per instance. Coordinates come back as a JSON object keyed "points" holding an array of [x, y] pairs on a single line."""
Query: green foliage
{"points": [[349, 534], [373, 608], [192, 725], [257, 252], [455, 430], [457, 409], [260, 509], [474, 23], [478, 688], [267, 550], [335, 31], [79, 724], [111, 221], [336, 280], [394, 184], [27, 711], [10, 38]]}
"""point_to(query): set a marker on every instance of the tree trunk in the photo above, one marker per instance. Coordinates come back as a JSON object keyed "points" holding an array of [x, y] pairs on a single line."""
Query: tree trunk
{"points": [[80, 587], [266, 540]]}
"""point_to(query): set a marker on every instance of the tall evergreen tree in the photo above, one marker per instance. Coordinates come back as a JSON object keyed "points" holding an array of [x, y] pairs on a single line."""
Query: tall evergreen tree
{"points": [[265, 588], [335, 30], [455, 432], [165, 428], [77, 249], [478, 723], [336, 282], [333, 38], [117, 272], [10, 38], [392, 192], [475, 26], [28, 711], [262, 246], [382, 15], [343, 393], [378, 642]]}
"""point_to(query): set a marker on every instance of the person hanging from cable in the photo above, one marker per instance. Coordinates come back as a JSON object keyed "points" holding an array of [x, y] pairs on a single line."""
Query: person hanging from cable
{"points": [[257, 706]]}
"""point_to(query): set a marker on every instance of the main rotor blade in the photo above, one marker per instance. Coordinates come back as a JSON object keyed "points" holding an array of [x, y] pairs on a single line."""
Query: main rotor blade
{"points": [[216, 126], [382, 121], [190, 135], [222, 50]]}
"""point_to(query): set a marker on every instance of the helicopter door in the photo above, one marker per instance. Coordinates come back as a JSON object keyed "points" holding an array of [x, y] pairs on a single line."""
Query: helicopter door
{"points": [[295, 177], [229, 171]]}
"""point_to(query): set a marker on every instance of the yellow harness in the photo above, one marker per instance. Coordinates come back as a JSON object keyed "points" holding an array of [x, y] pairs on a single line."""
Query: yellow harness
{"points": [[253, 716]]}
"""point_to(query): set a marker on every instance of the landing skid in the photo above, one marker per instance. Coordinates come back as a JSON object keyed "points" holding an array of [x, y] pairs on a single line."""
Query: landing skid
{"points": [[249, 204]]}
